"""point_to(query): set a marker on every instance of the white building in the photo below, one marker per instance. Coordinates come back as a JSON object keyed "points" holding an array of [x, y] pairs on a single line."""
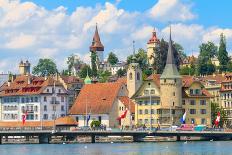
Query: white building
{"points": [[43, 99]]}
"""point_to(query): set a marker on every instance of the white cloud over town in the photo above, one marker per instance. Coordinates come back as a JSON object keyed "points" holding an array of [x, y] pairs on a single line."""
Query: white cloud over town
{"points": [[29, 31]]}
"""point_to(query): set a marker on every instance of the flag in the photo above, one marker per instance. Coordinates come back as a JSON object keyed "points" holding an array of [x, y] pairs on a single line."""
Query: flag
{"points": [[182, 120], [217, 120], [24, 117], [123, 115]]}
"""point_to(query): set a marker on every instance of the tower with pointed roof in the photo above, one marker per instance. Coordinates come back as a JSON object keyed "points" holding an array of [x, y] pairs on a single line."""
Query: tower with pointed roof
{"points": [[97, 46], [152, 43], [87, 79], [171, 85], [134, 76]]}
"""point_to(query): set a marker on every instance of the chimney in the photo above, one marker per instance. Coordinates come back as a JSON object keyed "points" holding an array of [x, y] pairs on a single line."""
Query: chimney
{"points": [[28, 79], [8, 83]]}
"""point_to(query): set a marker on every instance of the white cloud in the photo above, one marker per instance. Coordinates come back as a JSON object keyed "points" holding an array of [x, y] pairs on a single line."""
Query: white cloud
{"points": [[37, 32], [171, 10], [21, 41], [214, 33]]}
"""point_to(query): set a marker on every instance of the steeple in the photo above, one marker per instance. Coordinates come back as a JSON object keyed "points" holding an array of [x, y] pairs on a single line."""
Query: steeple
{"points": [[96, 43], [87, 78], [170, 70]]}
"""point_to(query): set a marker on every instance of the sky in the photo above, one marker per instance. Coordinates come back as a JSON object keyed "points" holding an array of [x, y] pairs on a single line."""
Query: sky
{"points": [[55, 29]]}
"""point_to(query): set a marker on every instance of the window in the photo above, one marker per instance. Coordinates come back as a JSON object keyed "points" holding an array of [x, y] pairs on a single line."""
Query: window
{"points": [[192, 111], [140, 121], [45, 99], [175, 80], [23, 109], [152, 111], [140, 112], [197, 91], [203, 121], [36, 99], [152, 102], [140, 102], [191, 91], [27, 100], [77, 119], [62, 108], [164, 80], [146, 111], [203, 111], [45, 108], [146, 121], [36, 117], [54, 108], [47, 90], [192, 102], [202, 102], [62, 98], [138, 76], [130, 76], [152, 91], [146, 92], [59, 91], [174, 94], [183, 102], [45, 116], [146, 102]]}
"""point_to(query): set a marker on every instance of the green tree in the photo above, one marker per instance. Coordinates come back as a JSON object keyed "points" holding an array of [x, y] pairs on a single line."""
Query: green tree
{"points": [[103, 76], [73, 61], [45, 67], [84, 70], [229, 66], [94, 63], [112, 58], [187, 70], [121, 72], [223, 54], [214, 111], [208, 50], [161, 55], [65, 72]]}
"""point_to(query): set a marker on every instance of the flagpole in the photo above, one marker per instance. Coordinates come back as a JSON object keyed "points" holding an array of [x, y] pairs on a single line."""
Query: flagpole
{"points": [[86, 111]]}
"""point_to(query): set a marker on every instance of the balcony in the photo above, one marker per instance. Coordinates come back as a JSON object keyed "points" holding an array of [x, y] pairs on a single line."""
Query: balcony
{"points": [[54, 102]]}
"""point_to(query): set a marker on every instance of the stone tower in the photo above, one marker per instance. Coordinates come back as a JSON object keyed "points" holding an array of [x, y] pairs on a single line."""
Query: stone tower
{"points": [[24, 68], [97, 46], [171, 82], [151, 45], [134, 77]]}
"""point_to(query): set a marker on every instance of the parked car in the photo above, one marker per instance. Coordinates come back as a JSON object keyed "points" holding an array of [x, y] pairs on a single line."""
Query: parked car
{"points": [[185, 127], [200, 128]]}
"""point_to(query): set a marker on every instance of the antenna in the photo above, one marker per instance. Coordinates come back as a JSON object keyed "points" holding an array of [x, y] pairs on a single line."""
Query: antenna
{"points": [[133, 47]]}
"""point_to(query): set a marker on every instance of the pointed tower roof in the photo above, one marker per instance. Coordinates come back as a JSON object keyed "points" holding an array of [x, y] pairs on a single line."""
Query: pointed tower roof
{"points": [[87, 79], [170, 70], [96, 43], [153, 38]]}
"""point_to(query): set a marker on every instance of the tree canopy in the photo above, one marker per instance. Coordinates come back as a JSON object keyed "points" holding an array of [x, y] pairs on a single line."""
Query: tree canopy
{"points": [[73, 60], [223, 54], [45, 67], [84, 70], [112, 58]]}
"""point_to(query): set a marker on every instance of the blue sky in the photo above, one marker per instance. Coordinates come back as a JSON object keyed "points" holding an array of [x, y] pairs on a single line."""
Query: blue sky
{"points": [[56, 29]]}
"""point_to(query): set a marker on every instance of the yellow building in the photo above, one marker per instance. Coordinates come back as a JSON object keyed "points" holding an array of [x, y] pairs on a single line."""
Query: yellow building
{"points": [[196, 102], [163, 99], [148, 102]]}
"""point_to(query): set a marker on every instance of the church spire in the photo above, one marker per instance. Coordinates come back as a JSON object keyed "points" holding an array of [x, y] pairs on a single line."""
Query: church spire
{"points": [[96, 43], [170, 70], [170, 56]]}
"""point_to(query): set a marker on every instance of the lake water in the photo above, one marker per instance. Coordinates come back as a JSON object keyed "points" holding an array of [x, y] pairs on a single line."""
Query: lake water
{"points": [[155, 148]]}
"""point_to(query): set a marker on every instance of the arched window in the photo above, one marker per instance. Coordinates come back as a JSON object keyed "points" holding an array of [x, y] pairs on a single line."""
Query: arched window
{"points": [[130, 76], [138, 76]]}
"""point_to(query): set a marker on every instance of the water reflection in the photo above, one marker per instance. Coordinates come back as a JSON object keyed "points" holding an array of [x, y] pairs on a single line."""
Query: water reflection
{"points": [[156, 148]]}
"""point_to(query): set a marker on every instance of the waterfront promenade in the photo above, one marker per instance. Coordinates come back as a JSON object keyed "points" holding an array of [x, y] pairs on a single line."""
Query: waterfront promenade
{"points": [[45, 136]]}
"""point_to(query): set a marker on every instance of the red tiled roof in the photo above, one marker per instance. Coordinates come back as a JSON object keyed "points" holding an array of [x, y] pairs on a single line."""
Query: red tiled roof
{"points": [[122, 79], [153, 38], [155, 78], [71, 79], [97, 97], [218, 78], [128, 103], [21, 86]]}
